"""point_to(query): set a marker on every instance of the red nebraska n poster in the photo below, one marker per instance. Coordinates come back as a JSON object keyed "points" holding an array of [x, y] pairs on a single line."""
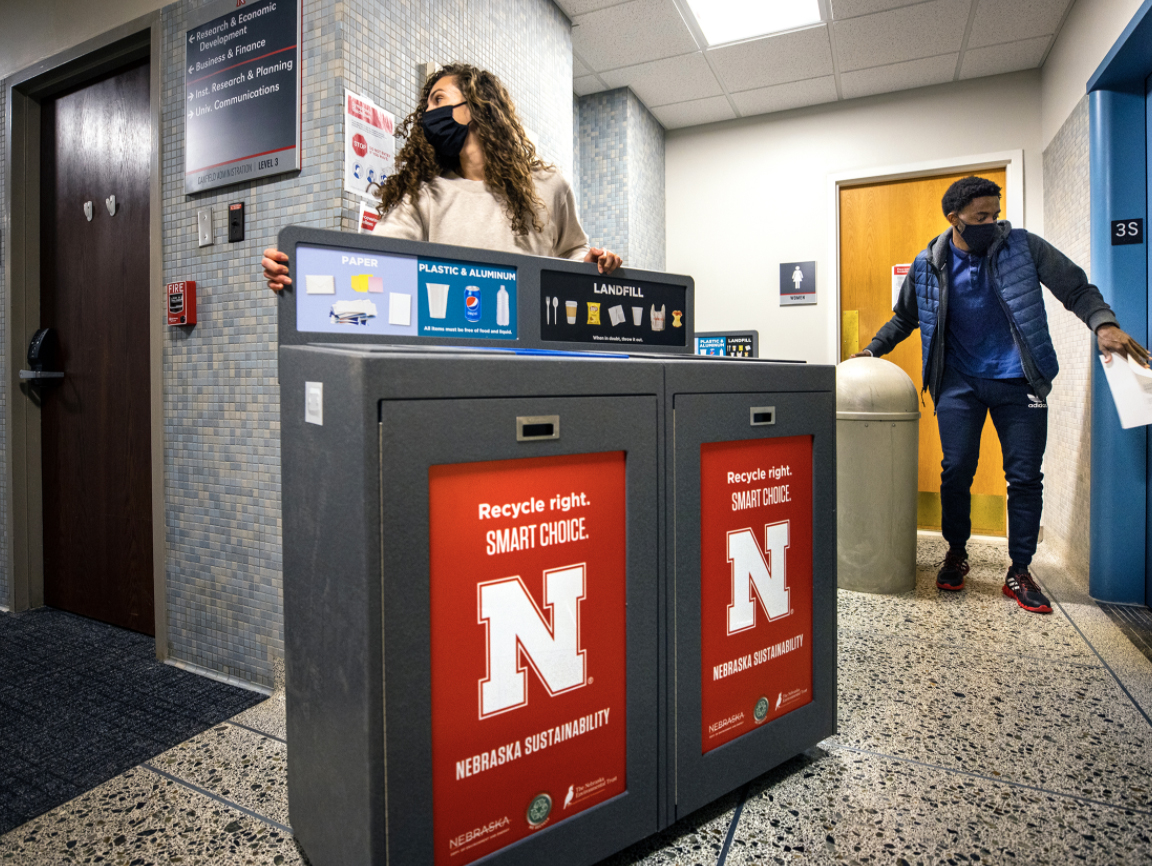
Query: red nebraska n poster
{"points": [[528, 646], [755, 583]]}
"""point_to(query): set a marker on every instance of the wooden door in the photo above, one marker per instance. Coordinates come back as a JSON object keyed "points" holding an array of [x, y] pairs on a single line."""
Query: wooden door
{"points": [[96, 425], [886, 224]]}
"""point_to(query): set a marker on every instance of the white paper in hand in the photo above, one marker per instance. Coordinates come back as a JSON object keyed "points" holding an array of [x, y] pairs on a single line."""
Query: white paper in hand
{"points": [[1131, 387]]}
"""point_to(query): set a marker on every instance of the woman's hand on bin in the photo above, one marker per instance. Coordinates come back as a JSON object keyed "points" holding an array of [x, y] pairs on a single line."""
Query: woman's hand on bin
{"points": [[275, 264], [606, 260]]}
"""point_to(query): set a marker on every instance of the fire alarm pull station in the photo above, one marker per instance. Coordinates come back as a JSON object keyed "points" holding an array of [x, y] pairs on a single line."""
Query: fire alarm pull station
{"points": [[182, 303]]}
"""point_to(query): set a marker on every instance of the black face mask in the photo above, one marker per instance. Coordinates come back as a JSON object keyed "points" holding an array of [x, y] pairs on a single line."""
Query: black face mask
{"points": [[443, 132], [978, 237]]}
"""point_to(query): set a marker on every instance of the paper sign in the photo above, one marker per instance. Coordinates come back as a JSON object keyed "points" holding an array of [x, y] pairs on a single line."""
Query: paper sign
{"points": [[528, 620], [1131, 387], [369, 145], [368, 218], [755, 584], [899, 272]]}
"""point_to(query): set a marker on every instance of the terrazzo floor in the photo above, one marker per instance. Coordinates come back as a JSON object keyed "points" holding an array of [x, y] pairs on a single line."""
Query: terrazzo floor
{"points": [[970, 732]]}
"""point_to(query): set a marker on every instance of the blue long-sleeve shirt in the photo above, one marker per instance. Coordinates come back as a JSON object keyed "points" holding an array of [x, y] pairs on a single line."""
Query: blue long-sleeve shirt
{"points": [[979, 340]]}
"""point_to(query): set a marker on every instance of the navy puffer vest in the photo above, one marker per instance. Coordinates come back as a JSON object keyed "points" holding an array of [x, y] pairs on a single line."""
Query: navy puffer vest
{"points": [[1015, 279]]}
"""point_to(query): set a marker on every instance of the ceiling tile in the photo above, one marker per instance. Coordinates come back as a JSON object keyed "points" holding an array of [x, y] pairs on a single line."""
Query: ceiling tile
{"points": [[924, 30], [631, 33], [578, 68], [694, 113], [586, 84], [676, 79], [852, 8], [898, 76], [1000, 21], [774, 59], [784, 96], [572, 8], [1009, 57]]}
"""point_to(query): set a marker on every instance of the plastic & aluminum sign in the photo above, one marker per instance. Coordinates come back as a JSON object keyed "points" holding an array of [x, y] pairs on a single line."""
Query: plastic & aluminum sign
{"points": [[755, 584], [528, 646]]}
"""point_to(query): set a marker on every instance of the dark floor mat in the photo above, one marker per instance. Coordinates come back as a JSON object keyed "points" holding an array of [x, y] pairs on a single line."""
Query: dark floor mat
{"points": [[1135, 622], [81, 702]]}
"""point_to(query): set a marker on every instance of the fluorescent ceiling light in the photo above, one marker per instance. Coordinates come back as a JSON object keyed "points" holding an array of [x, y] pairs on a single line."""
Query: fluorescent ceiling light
{"points": [[732, 20]]}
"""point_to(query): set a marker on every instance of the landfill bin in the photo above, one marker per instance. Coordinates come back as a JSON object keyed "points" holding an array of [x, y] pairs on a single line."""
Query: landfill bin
{"points": [[752, 570], [877, 455]]}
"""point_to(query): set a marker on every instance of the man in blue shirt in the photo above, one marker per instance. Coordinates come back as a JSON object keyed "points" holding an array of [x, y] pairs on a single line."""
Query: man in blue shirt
{"points": [[975, 295]]}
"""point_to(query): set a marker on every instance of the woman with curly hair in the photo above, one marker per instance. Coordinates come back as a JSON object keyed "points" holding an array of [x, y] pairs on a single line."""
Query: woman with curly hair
{"points": [[468, 175]]}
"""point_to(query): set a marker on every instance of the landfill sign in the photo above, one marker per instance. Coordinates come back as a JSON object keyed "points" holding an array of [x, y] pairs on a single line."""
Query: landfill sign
{"points": [[755, 584], [528, 646]]}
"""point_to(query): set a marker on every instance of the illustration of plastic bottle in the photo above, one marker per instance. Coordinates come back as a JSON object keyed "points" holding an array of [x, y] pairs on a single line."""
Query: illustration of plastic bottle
{"points": [[502, 313]]}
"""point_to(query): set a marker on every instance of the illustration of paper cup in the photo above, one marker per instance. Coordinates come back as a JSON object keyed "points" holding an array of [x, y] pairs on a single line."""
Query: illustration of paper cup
{"points": [[637, 316], [437, 300], [570, 309]]}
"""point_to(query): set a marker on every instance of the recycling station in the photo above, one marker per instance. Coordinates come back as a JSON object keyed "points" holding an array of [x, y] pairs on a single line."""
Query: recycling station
{"points": [[551, 582]]}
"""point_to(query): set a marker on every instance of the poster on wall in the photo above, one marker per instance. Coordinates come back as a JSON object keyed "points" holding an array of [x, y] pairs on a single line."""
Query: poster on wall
{"points": [[343, 291], [899, 272], [528, 613], [369, 145], [755, 584], [242, 93]]}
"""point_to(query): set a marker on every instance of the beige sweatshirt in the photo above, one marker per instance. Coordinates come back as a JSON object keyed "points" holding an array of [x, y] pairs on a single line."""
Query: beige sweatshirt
{"points": [[454, 210]]}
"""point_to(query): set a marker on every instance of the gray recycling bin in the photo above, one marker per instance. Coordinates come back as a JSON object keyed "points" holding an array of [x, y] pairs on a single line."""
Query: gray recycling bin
{"points": [[750, 548], [877, 458]]}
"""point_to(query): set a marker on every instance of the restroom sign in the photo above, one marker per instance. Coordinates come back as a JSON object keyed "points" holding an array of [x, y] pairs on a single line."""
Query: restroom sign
{"points": [[797, 283], [528, 619], [755, 584]]}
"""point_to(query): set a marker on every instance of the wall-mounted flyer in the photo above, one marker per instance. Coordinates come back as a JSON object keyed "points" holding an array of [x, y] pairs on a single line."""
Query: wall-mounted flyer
{"points": [[369, 145], [596, 308], [342, 291], [242, 93]]}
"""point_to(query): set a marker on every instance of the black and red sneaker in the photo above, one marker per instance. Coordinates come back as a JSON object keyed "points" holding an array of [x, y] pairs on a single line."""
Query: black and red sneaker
{"points": [[1018, 584], [952, 572]]}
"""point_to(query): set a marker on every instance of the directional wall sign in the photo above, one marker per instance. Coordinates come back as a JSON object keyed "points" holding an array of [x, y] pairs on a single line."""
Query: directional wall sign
{"points": [[797, 283], [242, 93]]}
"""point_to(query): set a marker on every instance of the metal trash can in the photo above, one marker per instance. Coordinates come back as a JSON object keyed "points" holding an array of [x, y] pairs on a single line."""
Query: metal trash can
{"points": [[877, 459]]}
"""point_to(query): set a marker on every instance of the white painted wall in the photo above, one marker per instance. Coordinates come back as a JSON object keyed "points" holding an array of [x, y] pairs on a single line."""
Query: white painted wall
{"points": [[1089, 32], [36, 29], [745, 195]]}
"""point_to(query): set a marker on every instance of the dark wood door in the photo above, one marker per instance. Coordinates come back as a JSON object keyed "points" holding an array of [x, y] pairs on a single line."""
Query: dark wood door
{"points": [[95, 425]]}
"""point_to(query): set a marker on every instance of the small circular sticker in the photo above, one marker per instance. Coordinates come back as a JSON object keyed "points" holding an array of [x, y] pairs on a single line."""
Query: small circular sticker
{"points": [[760, 713], [539, 809]]}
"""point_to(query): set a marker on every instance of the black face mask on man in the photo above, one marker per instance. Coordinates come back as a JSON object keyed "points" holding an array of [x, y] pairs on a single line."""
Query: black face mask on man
{"points": [[443, 131], [979, 237]]}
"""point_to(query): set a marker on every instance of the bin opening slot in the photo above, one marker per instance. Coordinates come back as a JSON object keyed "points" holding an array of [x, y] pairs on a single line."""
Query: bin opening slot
{"points": [[532, 428], [761, 415]]}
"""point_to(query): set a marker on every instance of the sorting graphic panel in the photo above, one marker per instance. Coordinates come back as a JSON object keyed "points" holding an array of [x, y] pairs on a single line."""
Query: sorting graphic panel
{"points": [[593, 308], [528, 646], [381, 294], [755, 584]]}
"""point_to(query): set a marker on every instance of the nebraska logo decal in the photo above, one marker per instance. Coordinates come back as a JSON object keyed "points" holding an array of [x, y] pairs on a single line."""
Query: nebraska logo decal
{"points": [[517, 629], [527, 585], [755, 584], [751, 570]]}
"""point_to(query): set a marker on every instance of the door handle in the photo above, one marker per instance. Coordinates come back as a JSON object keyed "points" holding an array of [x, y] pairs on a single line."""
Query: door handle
{"points": [[39, 374], [42, 352]]}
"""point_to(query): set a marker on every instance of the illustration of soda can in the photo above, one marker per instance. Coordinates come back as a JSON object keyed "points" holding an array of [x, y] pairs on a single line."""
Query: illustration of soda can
{"points": [[472, 303]]}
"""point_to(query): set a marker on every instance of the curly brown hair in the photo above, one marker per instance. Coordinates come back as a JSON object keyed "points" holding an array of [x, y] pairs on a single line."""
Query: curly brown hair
{"points": [[509, 156]]}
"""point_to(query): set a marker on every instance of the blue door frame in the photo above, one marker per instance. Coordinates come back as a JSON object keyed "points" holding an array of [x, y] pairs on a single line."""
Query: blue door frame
{"points": [[1121, 519]]}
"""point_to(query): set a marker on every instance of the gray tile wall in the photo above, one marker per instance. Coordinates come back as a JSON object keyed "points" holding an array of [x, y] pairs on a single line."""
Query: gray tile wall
{"points": [[621, 187], [1067, 467], [221, 406]]}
